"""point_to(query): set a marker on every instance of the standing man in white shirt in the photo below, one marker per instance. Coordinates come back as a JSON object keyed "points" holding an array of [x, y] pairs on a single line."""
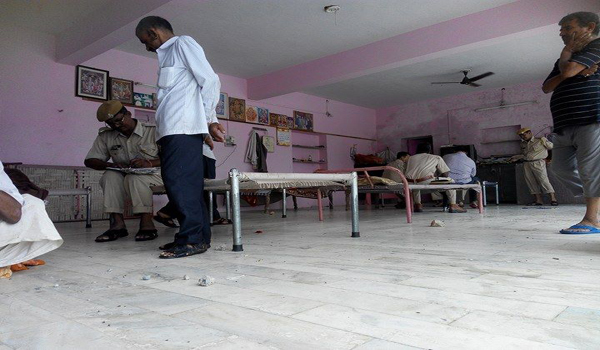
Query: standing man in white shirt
{"points": [[188, 92]]}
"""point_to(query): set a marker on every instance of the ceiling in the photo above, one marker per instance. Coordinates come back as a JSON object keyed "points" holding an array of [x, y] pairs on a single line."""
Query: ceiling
{"points": [[249, 39]]}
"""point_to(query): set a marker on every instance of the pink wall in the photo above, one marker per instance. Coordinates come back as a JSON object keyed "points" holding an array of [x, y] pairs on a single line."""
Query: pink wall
{"points": [[452, 120], [42, 122]]}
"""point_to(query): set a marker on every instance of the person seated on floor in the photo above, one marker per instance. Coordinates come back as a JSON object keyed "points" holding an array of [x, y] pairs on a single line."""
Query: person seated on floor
{"points": [[463, 171], [400, 164], [26, 231], [422, 168], [131, 145], [169, 212]]}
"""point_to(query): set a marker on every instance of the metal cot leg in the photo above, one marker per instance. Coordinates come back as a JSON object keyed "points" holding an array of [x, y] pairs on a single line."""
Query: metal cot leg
{"points": [[211, 199], [320, 204], [484, 194], [497, 194], [284, 204], [228, 205], [88, 207], [354, 194], [237, 222]]}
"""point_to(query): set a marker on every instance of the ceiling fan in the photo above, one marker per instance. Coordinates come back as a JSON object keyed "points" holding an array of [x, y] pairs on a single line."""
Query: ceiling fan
{"points": [[466, 80]]}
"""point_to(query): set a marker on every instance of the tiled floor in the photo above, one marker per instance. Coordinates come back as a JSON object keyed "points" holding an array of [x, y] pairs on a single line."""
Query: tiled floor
{"points": [[504, 280]]}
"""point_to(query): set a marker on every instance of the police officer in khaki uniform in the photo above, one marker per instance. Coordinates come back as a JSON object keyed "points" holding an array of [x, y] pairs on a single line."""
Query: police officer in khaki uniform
{"points": [[129, 144], [534, 152]]}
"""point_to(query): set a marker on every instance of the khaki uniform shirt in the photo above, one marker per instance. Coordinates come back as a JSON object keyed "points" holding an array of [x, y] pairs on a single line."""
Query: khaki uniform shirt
{"points": [[392, 175], [536, 148], [423, 164], [122, 149]]}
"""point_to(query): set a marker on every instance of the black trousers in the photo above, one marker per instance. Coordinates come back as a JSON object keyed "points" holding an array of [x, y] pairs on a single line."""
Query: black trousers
{"points": [[182, 170], [210, 172]]}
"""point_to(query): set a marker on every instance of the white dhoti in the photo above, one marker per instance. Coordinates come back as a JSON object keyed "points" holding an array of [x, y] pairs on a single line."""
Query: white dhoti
{"points": [[31, 237]]}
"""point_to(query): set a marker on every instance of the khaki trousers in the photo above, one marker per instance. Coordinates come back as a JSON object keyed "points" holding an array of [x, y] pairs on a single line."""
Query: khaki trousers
{"points": [[417, 194], [116, 186], [536, 177]]}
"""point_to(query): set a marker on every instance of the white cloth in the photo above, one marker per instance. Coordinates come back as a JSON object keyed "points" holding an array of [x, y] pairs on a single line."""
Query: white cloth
{"points": [[251, 156], [207, 152], [31, 237], [7, 186], [188, 89]]}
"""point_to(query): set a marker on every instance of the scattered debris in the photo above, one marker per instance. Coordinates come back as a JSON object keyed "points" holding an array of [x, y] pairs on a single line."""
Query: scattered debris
{"points": [[556, 258], [206, 281], [146, 277], [221, 248], [437, 223], [258, 231], [56, 286], [186, 277], [109, 270], [271, 212]]}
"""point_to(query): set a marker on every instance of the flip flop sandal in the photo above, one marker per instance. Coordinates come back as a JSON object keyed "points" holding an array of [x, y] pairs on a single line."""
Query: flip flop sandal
{"points": [[182, 251], [457, 211], [167, 246], [112, 235], [146, 235], [222, 221], [165, 221], [535, 204], [34, 262], [580, 230], [554, 203]]}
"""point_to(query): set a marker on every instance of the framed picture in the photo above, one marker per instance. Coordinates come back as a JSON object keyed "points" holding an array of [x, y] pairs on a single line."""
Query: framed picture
{"points": [[290, 122], [237, 109], [303, 121], [222, 108], [143, 100], [273, 119], [278, 120], [284, 137], [91, 83], [263, 115], [121, 90], [251, 114]]}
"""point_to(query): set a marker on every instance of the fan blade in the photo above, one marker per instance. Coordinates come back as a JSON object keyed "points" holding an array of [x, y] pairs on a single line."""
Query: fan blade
{"points": [[474, 84], [481, 76], [446, 82]]}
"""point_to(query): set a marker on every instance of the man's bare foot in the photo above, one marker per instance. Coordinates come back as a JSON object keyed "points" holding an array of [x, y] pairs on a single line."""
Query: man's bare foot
{"points": [[454, 208]]}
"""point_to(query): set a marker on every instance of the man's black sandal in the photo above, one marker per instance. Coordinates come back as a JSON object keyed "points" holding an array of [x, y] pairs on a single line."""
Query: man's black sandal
{"points": [[112, 235], [146, 235], [182, 251]]}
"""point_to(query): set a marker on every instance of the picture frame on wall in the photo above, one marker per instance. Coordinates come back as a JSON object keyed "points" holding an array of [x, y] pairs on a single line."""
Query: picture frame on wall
{"points": [[263, 115], [222, 109], [143, 100], [251, 114], [237, 109], [278, 120], [91, 83], [303, 121], [121, 90]]}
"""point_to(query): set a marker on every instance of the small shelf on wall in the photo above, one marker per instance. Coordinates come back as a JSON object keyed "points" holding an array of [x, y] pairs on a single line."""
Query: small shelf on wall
{"points": [[310, 147], [307, 161]]}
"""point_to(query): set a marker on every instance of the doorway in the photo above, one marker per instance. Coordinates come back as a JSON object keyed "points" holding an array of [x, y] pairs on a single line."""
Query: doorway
{"points": [[414, 142]]}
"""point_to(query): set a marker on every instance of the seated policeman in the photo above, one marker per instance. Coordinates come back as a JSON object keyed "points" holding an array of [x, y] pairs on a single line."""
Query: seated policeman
{"points": [[129, 143]]}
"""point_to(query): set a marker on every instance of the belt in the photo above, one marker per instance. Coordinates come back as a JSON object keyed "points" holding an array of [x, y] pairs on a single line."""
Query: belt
{"points": [[421, 179]]}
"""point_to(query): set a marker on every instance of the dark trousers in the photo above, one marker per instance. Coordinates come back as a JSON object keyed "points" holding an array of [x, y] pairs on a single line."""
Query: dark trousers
{"points": [[210, 172], [182, 170]]}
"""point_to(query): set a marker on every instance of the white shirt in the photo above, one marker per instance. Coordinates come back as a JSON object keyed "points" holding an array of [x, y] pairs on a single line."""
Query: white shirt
{"points": [[7, 186], [207, 152], [188, 89]]}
